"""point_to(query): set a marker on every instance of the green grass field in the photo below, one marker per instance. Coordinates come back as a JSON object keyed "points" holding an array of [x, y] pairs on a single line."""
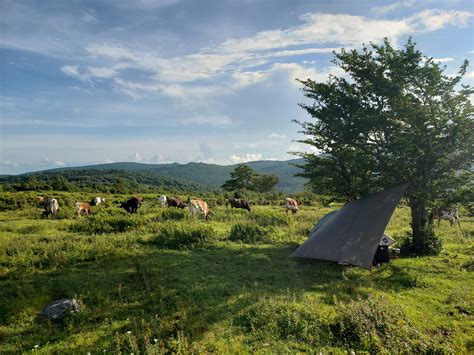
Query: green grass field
{"points": [[157, 282]]}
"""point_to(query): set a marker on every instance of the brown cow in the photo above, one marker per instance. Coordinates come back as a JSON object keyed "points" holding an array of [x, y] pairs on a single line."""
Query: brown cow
{"points": [[82, 208], [239, 203], [175, 202], [132, 205]]}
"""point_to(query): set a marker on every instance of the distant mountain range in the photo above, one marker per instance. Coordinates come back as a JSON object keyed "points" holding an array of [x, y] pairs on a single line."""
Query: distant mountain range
{"points": [[191, 175]]}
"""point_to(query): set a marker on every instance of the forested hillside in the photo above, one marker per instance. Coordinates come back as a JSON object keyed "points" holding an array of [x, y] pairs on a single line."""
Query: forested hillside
{"points": [[122, 177]]}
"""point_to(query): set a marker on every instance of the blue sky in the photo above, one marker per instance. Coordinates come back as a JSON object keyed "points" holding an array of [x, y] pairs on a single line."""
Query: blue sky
{"points": [[158, 81]]}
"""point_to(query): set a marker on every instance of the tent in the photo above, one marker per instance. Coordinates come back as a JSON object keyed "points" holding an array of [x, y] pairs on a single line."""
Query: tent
{"points": [[352, 234]]}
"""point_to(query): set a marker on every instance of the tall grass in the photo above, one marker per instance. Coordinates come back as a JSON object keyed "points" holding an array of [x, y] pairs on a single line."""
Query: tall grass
{"points": [[158, 281]]}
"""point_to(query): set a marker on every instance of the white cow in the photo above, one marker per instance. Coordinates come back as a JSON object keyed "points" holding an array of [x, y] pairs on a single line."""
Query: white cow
{"points": [[163, 201], [97, 201], [449, 214], [291, 205], [51, 207]]}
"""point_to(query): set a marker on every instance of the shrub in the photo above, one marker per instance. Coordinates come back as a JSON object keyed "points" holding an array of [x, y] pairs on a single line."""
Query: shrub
{"points": [[173, 214], [182, 236], [100, 223], [249, 233], [287, 322], [268, 218], [430, 244], [376, 324]]}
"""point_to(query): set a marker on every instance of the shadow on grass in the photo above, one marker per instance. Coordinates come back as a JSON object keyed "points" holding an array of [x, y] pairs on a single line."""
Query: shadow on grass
{"points": [[161, 293]]}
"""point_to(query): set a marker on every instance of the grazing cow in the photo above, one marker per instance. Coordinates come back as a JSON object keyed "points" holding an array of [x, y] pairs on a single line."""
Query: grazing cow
{"points": [[175, 202], [162, 200], [51, 207], [132, 205], [97, 201], [449, 213], [291, 205], [239, 203], [40, 201], [82, 207], [199, 207]]}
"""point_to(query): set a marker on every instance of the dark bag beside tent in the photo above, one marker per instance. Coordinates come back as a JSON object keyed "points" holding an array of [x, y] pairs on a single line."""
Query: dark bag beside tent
{"points": [[352, 234]]}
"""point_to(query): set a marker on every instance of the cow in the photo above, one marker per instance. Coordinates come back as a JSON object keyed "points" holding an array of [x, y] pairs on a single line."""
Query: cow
{"points": [[51, 207], [449, 213], [291, 205], [40, 201], [97, 201], [162, 200], [239, 203], [175, 202], [132, 205], [199, 207], [82, 207]]}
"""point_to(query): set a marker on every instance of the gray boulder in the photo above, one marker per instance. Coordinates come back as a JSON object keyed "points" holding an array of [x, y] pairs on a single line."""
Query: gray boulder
{"points": [[59, 309]]}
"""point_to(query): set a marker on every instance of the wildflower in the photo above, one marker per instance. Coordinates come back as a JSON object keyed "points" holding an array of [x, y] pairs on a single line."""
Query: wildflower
{"points": [[129, 332]]}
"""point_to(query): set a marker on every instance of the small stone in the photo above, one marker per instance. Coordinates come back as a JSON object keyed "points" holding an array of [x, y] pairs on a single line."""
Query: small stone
{"points": [[61, 308]]}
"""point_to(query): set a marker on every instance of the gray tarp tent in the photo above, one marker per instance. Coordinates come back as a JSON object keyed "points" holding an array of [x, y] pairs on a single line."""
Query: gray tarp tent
{"points": [[352, 234]]}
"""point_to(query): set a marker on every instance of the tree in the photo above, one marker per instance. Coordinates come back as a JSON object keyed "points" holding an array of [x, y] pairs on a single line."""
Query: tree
{"points": [[239, 178], [395, 117], [264, 182], [244, 177]]}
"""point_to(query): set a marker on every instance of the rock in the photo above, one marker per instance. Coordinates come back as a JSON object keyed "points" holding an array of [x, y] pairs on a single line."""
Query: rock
{"points": [[61, 308]]}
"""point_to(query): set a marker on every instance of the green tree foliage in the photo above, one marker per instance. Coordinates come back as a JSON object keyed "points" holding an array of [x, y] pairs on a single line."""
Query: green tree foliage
{"points": [[245, 178], [394, 117], [240, 178]]}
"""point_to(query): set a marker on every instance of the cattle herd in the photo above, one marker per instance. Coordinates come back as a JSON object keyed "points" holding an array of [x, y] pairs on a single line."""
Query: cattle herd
{"points": [[195, 206], [199, 207]]}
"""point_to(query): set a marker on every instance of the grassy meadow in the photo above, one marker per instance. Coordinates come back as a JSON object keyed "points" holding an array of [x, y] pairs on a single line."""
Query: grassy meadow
{"points": [[159, 282]]}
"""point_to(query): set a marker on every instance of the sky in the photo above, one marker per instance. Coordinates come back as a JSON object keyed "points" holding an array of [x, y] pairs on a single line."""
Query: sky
{"points": [[160, 81]]}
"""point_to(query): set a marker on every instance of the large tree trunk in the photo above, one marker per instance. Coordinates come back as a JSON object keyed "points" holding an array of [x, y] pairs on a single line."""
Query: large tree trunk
{"points": [[419, 220]]}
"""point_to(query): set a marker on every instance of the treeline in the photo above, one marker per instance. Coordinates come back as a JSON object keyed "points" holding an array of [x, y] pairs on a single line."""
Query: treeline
{"points": [[105, 181]]}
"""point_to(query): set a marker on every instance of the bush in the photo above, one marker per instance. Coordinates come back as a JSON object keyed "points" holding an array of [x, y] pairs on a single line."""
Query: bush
{"points": [[430, 244], [182, 236], [376, 324], [173, 214], [268, 218], [249, 233], [283, 321], [100, 223]]}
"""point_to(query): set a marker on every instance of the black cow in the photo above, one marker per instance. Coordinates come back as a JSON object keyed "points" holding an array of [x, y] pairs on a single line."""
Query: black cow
{"points": [[239, 203], [175, 202], [132, 205]]}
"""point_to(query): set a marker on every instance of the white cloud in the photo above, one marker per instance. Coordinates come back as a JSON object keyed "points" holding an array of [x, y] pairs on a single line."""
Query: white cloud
{"points": [[146, 4], [470, 75], [207, 120], [443, 60], [73, 71], [9, 163], [116, 52], [276, 136], [237, 58], [47, 161], [88, 16], [237, 159], [384, 10], [135, 157], [102, 72], [432, 20]]}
